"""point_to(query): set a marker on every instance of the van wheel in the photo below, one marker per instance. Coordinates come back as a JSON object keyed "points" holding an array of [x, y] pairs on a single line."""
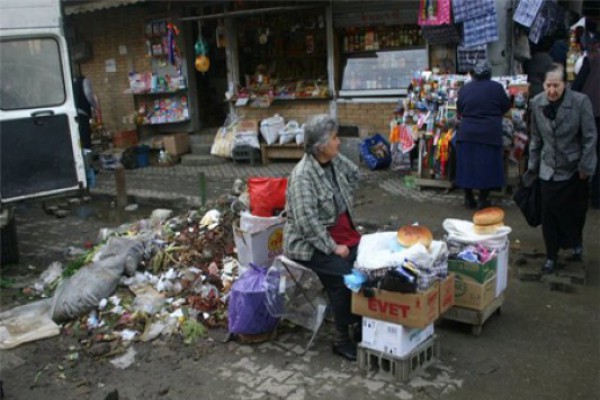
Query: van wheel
{"points": [[8, 241]]}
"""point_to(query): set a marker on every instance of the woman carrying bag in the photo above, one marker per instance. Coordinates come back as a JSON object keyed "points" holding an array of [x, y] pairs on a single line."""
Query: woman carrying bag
{"points": [[562, 153]]}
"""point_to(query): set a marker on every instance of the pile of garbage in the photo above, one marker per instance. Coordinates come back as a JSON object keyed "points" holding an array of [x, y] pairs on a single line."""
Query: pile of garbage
{"points": [[162, 276]]}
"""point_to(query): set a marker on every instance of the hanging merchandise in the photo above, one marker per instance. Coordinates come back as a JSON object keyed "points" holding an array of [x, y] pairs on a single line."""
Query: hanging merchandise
{"points": [[440, 34], [481, 30], [465, 10], [172, 49], [526, 12], [434, 12], [202, 62]]}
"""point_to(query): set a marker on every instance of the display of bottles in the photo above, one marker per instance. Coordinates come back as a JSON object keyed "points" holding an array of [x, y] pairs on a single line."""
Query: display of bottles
{"points": [[369, 39]]}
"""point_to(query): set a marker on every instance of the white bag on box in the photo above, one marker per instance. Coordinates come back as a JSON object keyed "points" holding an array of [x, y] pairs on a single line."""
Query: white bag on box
{"points": [[288, 133], [253, 223], [270, 127], [246, 139], [462, 231], [376, 251]]}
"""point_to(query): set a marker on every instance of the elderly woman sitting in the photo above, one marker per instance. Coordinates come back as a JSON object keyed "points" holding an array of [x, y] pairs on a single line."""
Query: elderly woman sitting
{"points": [[319, 231]]}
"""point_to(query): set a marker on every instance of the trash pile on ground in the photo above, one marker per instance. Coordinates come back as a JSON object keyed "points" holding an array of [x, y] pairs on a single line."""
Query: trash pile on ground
{"points": [[166, 276]]}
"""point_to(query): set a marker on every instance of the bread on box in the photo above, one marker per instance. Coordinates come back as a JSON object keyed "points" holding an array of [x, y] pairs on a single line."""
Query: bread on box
{"points": [[410, 235], [487, 220]]}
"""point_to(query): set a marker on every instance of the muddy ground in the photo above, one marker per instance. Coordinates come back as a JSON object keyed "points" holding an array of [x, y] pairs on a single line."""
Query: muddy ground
{"points": [[544, 345]]}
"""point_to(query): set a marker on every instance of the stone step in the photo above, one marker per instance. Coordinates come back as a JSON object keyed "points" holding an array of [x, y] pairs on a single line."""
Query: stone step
{"points": [[200, 148], [202, 160], [204, 136]]}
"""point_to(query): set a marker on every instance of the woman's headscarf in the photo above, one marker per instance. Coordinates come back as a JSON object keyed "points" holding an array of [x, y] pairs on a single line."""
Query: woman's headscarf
{"points": [[482, 70]]}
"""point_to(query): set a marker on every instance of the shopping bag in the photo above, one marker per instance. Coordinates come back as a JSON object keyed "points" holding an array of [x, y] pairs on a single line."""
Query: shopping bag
{"points": [[529, 201], [247, 310], [375, 152], [267, 195]]}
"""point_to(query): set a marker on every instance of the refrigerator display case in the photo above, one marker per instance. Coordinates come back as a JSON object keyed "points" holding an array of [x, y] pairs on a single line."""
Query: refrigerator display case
{"points": [[380, 72]]}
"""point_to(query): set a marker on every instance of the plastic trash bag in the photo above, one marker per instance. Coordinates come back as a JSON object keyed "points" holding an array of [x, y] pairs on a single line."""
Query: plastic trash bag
{"points": [[84, 290], [248, 304]]}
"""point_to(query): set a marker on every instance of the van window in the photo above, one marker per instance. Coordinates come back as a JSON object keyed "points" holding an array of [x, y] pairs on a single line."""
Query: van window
{"points": [[31, 74]]}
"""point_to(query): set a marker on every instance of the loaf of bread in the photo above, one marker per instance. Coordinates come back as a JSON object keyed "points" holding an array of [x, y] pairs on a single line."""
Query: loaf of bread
{"points": [[410, 235], [487, 220]]}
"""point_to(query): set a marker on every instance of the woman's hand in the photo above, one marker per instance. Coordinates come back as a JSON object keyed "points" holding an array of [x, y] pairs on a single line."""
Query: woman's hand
{"points": [[342, 250]]}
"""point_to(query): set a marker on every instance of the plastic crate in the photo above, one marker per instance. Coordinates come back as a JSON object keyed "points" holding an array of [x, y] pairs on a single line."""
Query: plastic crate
{"points": [[246, 154], [401, 369]]}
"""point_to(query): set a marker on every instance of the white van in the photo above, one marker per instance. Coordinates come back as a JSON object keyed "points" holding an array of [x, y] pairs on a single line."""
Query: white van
{"points": [[40, 151]]}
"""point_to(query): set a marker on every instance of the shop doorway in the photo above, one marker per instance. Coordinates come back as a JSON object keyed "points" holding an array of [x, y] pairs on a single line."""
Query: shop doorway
{"points": [[212, 84]]}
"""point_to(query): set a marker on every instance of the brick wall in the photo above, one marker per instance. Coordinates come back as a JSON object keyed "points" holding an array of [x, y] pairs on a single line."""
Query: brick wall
{"points": [[369, 117], [297, 110], [106, 30]]}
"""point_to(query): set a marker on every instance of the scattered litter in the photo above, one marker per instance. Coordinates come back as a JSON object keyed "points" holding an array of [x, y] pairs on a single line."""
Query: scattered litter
{"points": [[132, 207], [125, 360]]}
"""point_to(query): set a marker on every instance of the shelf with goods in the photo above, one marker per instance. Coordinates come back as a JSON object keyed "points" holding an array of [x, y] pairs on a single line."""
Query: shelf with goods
{"points": [[161, 95], [429, 115], [379, 61], [283, 57]]}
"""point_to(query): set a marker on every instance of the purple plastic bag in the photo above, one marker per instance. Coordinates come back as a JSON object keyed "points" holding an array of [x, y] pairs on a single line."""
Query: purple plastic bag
{"points": [[248, 312]]}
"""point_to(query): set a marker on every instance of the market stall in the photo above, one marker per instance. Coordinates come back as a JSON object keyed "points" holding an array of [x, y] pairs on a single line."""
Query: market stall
{"points": [[427, 117]]}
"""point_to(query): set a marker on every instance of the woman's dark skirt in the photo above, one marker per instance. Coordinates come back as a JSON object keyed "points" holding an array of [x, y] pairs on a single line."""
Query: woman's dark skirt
{"points": [[564, 205], [479, 166]]}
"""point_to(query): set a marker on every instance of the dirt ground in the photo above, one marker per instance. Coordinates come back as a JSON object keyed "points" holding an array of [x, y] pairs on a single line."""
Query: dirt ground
{"points": [[545, 344]]}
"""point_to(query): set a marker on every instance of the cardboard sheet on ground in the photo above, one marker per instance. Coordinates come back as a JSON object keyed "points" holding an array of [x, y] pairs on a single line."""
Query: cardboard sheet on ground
{"points": [[462, 231], [27, 323], [380, 250]]}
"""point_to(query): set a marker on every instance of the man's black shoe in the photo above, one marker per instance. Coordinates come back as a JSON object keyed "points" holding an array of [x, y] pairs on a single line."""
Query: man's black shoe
{"points": [[346, 350]]}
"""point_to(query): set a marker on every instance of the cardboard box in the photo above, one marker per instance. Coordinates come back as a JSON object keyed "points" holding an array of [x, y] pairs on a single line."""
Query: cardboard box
{"points": [[413, 310], [125, 139], [176, 143], [392, 339], [470, 294], [502, 269], [447, 293], [247, 125], [259, 248], [476, 272]]}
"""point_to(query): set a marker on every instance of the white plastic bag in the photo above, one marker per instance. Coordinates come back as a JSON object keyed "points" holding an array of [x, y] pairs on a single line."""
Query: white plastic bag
{"points": [[270, 127], [376, 251], [254, 224], [288, 133], [246, 139], [462, 231], [300, 135]]}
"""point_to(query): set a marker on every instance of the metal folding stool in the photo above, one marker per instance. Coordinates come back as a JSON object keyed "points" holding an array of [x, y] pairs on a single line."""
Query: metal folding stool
{"points": [[304, 303]]}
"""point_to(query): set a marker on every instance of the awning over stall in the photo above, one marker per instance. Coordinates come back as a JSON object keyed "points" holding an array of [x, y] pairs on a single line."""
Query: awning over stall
{"points": [[80, 7]]}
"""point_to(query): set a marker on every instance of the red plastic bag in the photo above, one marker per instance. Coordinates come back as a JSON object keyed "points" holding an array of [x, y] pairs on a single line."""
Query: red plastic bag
{"points": [[267, 195]]}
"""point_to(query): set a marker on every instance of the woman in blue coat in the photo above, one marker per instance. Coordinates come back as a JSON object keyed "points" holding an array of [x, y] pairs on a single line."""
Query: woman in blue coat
{"points": [[479, 153]]}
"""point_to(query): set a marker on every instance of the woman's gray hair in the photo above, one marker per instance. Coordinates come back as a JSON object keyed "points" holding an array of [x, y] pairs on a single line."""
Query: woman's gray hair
{"points": [[317, 132], [482, 70]]}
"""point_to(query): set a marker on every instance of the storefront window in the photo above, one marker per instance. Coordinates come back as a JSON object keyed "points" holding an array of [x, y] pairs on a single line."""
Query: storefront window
{"points": [[284, 56]]}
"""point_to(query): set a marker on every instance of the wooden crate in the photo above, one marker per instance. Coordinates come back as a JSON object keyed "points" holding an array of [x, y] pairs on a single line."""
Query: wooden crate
{"points": [[283, 151]]}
